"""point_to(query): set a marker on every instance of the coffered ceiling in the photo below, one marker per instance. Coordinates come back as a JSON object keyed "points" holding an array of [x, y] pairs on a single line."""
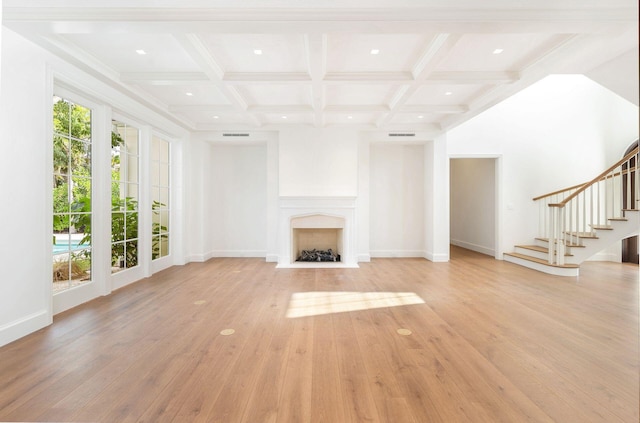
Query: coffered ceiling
{"points": [[424, 65]]}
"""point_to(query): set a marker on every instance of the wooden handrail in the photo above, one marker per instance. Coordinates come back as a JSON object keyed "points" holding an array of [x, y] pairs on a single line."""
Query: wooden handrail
{"points": [[599, 178], [625, 171], [596, 179], [557, 192]]}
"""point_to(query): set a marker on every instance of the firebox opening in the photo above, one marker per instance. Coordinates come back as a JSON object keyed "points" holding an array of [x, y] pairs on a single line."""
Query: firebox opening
{"points": [[317, 244]]}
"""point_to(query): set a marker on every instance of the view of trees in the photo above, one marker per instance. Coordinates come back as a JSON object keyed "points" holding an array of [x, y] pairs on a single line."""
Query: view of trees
{"points": [[72, 205]]}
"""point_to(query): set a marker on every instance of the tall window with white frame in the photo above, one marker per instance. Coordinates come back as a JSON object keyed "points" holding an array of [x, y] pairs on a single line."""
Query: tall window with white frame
{"points": [[71, 194], [160, 202], [125, 159]]}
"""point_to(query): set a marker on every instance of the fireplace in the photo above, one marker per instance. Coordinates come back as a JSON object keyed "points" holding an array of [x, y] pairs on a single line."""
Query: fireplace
{"points": [[317, 223], [316, 238]]}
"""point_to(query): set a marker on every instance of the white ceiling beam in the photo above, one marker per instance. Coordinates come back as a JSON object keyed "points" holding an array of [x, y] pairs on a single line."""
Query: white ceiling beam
{"points": [[246, 78], [476, 78], [164, 78], [194, 46], [289, 109], [355, 108], [194, 108], [368, 77], [433, 53], [543, 18], [316, 54], [431, 108]]}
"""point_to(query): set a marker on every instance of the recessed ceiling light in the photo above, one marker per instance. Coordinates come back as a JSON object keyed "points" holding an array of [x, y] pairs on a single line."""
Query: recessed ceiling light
{"points": [[375, 51], [141, 52], [420, 117], [284, 117], [257, 51], [349, 117], [216, 117], [498, 51], [188, 94], [448, 93]]}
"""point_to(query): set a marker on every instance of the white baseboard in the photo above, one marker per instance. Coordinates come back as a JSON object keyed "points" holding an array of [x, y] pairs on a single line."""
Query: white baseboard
{"points": [[396, 253], [199, 258], [23, 327], [271, 258], [605, 257], [363, 258], [436, 258], [474, 247], [239, 253]]}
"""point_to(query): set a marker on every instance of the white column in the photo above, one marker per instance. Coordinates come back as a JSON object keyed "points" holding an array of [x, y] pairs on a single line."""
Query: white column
{"points": [[362, 201], [437, 200], [272, 198]]}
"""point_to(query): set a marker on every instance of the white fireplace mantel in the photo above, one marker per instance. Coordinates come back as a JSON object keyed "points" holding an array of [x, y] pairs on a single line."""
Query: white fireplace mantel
{"points": [[293, 207]]}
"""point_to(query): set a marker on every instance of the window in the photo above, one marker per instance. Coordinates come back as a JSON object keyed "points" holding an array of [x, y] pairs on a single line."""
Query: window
{"points": [[160, 205], [125, 161], [71, 194]]}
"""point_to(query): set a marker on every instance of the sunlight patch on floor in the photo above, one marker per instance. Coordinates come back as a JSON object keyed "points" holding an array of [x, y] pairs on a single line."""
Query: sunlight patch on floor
{"points": [[304, 304]]}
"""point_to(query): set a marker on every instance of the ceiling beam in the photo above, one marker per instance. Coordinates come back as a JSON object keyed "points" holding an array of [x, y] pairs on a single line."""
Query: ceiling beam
{"points": [[316, 54], [164, 78], [194, 46], [434, 52]]}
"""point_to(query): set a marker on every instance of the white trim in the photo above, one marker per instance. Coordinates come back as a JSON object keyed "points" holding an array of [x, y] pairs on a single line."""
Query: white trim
{"points": [[239, 253], [474, 247], [73, 297], [363, 258], [436, 258], [605, 257], [28, 324], [396, 253]]}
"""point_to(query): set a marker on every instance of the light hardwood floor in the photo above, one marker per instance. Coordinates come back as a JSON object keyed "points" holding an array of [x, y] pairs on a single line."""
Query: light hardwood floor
{"points": [[492, 342]]}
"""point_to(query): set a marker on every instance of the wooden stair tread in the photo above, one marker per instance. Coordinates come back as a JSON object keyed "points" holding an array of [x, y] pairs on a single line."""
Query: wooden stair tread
{"points": [[539, 249], [602, 227], [618, 219], [566, 244], [589, 235], [540, 261]]}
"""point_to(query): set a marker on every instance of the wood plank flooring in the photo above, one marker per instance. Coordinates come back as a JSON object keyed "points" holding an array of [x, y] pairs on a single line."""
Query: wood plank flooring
{"points": [[492, 342]]}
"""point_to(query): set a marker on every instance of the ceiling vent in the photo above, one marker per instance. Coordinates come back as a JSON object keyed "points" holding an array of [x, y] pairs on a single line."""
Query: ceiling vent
{"points": [[235, 134], [402, 134]]}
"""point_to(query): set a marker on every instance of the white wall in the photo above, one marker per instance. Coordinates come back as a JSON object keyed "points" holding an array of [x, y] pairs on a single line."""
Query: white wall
{"points": [[550, 135], [238, 193], [472, 206], [318, 162], [28, 72], [25, 284], [396, 205], [197, 169]]}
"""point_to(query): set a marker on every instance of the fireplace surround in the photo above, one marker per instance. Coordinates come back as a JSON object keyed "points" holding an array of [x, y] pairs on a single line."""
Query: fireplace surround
{"points": [[316, 222]]}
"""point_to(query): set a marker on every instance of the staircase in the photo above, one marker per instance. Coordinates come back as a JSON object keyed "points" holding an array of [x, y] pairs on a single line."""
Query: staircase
{"points": [[578, 222]]}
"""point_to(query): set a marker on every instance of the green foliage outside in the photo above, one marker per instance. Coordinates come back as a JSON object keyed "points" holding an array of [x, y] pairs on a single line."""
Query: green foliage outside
{"points": [[72, 189]]}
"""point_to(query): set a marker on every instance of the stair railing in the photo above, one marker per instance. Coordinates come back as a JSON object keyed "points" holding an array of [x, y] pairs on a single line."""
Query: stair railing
{"points": [[568, 216]]}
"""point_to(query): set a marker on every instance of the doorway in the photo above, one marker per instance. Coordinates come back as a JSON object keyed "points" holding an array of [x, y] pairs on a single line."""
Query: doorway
{"points": [[474, 207]]}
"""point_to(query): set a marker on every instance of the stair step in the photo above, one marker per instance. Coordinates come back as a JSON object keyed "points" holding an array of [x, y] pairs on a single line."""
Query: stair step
{"points": [[602, 227], [590, 235], [541, 261], [540, 249], [618, 219], [566, 243]]}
